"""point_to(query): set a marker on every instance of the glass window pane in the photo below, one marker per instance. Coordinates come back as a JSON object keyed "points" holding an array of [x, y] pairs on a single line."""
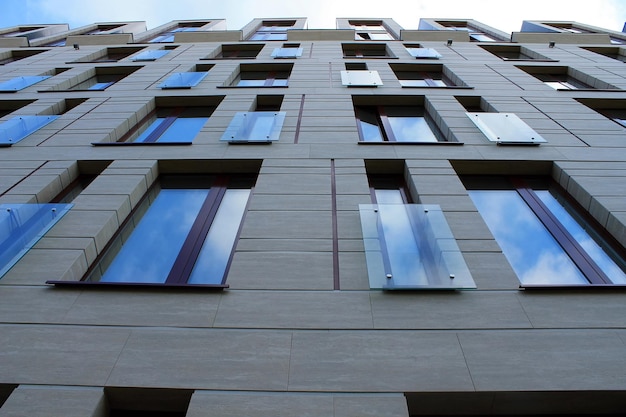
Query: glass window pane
{"points": [[183, 80], [531, 250], [388, 196], [411, 129], [218, 245], [144, 135], [582, 236], [368, 123], [148, 254], [184, 129]]}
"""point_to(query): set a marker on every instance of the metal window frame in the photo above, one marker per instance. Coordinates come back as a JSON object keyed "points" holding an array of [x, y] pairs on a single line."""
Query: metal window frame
{"points": [[587, 266], [185, 261], [385, 127]]}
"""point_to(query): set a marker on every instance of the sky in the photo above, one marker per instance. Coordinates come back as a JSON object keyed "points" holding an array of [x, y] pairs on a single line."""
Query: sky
{"points": [[505, 15]]}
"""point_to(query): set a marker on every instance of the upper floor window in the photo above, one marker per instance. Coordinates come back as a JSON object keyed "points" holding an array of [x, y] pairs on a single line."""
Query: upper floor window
{"points": [[422, 75], [546, 238], [365, 50], [103, 78], [565, 78], [237, 51], [183, 233], [110, 54], [168, 36], [419, 52], [396, 124], [273, 30], [275, 75], [12, 56], [169, 125], [100, 29], [371, 30], [514, 53], [613, 52]]}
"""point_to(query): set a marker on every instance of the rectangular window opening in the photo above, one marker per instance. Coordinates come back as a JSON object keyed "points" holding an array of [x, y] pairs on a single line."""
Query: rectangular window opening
{"points": [[182, 233], [568, 246]]}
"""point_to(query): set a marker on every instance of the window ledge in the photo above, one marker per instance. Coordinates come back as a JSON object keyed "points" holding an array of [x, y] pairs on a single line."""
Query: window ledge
{"points": [[575, 287], [371, 57], [252, 86], [453, 143], [84, 284], [448, 87], [139, 143], [590, 90], [529, 60]]}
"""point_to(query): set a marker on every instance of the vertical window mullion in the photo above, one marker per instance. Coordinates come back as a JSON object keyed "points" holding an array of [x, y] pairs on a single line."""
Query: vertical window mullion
{"points": [[269, 80], [569, 244], [385, 125], [181, 270], [164, 125]]}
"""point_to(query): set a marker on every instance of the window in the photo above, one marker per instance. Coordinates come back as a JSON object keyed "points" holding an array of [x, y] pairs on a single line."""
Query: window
{"points": [[514, 53], [273, 30], [237, 51], [476, 35], [419, 52], [616, 53], [565, 78], [546, 238], [21, 227], [288, 50], [9, 106], [562, 82], [19, 127], [372, 30], [169, 125], [251, 75], [365, 50], [409, 246], [103, 78], [110, 54], [151, 55], [614, 109], [422, 75], [169, 35], [12, 56], [186, 79], [20, 83], [396, 124], [101, 29], [183, 233]]}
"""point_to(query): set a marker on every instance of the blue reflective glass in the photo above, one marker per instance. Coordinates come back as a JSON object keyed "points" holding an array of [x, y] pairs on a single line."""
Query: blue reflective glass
{"points": [[213, 259], [251, 83], [22, 225], [19, 83], [582, 236], [19, 127], [148, 131], [369, 126], [183, 80], [183, 129], [150, 251], [532, 251], [151, 55], [411, 129], [100, 86]]}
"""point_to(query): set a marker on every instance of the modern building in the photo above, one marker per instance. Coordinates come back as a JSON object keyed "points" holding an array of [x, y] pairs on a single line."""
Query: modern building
{"points": [[283, 221]]}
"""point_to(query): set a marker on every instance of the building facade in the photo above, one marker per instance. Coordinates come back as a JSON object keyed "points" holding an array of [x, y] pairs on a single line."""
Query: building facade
{"points": [[283, 221]]}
